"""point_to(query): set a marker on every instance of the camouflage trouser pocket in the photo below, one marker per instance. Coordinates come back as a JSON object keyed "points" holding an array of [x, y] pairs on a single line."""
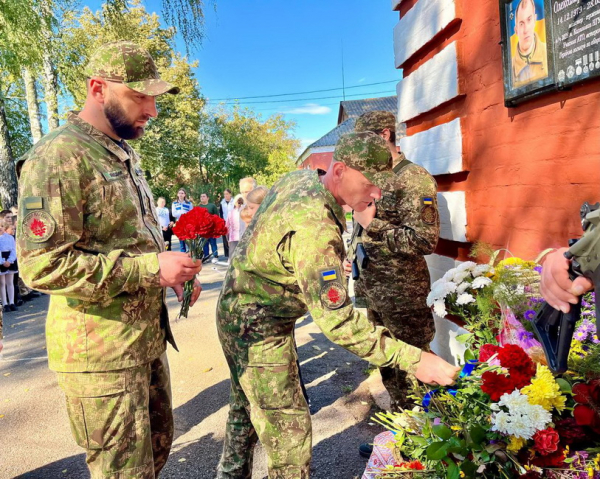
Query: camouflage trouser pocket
{"points": [[270, 379], [100, 413]]}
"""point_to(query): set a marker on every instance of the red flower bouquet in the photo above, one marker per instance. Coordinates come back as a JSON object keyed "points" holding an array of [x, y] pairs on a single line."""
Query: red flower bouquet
{"points": [[195, 228], [587, 409]]}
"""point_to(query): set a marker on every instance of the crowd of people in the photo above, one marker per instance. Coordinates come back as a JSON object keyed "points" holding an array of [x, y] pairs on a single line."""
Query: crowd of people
{"points": [[106, 264], [236, 211]]}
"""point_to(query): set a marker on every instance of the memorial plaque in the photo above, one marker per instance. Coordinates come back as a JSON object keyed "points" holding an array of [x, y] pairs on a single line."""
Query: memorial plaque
{"points": [[576, 31], [527, 40]]}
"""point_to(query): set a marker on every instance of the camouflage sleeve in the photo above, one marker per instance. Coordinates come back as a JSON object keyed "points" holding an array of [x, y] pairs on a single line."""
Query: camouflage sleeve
{"points": [[53, 264], [316, 258], [413, 225]]}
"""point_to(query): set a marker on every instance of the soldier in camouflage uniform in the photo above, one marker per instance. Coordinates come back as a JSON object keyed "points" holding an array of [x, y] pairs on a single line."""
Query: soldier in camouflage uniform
{"points": [[289, 262], [396, 280], [88, 235]]}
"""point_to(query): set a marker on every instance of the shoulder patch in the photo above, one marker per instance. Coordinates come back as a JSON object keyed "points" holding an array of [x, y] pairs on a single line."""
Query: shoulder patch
{"points": [[428, 214], [38, 226], [333, 295]]}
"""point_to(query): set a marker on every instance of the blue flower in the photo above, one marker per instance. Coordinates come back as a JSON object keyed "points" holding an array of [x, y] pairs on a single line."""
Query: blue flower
{"points": [[529, 314]]}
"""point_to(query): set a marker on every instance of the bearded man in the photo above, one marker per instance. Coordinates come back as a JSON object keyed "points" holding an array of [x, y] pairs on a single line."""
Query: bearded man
{"points": [[88, 235]]}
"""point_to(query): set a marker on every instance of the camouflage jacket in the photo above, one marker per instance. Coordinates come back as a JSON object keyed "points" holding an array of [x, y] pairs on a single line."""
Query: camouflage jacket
{"points": [[405, 228], [289, 262], [88, 236]]}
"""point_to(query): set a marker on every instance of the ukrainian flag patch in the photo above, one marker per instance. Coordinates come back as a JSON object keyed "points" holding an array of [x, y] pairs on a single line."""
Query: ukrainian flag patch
{"points": [[427, 200], [329, 275]]}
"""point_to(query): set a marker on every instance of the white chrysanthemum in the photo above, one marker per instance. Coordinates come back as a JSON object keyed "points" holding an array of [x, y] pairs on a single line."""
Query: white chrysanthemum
{"points": [[439, 290], [439, 308], [460, 276], [480, 269], [448, 275], [522, 419], [466, 266], [481, 282], [465, 298], [462, 287]]}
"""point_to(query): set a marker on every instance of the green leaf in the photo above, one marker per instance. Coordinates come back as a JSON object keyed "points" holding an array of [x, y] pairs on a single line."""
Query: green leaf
{"points": [[421, 441], [469, 356], [469, 468], [437, 451], [464, 338], [565, 387], [441, 431], [477, 434], [453, 471]]}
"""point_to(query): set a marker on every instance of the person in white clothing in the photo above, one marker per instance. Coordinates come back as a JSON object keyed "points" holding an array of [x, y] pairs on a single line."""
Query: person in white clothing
{"points": [[180, 207], [225, 207], [8, 267], [166, 224]]}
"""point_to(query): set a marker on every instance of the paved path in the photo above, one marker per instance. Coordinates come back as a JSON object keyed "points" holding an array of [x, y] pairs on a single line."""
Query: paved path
{"points": [[35, 440]]}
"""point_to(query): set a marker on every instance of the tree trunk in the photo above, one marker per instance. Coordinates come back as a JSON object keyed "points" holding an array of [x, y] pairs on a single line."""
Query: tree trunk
{"points": [[50, 79], [32, 104], [8, 176], [50, 91]]}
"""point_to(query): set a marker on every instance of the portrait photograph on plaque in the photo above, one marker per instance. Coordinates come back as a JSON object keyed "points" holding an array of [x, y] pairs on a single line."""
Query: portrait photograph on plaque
{"points": [[526, 43]]}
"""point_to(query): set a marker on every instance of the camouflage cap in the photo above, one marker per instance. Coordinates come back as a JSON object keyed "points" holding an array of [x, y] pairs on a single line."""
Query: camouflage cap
{"points": [[130, 64], [375, 121], [366, 152]]}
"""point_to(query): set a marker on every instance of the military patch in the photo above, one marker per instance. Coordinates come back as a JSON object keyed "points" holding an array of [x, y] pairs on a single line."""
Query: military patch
{"points": [[38, 226], [329, 275], [333, 295], [428, 214], [33, 203], [427, 200]]}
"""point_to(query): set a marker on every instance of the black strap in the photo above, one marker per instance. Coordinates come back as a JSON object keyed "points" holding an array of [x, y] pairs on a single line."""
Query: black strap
{"points": [[400, 166]]}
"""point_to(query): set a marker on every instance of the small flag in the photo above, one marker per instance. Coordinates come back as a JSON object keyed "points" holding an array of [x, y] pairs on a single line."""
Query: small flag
{"points": [[329, 275], [427, 200]]}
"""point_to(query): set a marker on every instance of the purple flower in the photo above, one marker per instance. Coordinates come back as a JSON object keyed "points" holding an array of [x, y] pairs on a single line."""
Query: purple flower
{"points": [[580, 335], [529, 314], [437, 421], [538, 268], [526, 339]]}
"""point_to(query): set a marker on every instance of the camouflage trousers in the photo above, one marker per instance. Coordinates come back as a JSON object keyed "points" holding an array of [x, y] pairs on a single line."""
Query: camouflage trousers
{"points": [[123, 419], [416, 328], [266, 403]]}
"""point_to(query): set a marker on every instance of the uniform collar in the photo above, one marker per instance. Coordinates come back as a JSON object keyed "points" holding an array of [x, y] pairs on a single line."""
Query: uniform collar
{"points": [[538, 56], [123, 154], [330, 202]]}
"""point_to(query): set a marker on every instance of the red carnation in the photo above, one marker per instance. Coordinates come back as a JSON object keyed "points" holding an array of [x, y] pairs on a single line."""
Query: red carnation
{"points": [[546, 441], [496, 385], [587, 397], [414, 465], [554, 459], [531, 474], [487, 351], [570, 432], [514, 358]]}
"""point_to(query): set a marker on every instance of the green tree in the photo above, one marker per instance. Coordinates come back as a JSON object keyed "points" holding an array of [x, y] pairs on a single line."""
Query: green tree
{"points": [[170, 147], [239, 143]]}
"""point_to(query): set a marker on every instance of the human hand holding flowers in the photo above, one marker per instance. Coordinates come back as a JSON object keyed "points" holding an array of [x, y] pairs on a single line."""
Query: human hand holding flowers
{"points": [[195, 228]]}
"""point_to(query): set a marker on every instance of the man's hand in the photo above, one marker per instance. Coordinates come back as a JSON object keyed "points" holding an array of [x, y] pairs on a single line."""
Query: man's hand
{"points": [[556, 286], [176, 268], [347, 267], [433, 370], [195, 294], [6, 264], [365, 217]]}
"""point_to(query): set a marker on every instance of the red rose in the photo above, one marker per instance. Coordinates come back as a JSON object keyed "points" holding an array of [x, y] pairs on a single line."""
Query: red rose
{"points": [[546, 441], [487, 351], [587, 397]]}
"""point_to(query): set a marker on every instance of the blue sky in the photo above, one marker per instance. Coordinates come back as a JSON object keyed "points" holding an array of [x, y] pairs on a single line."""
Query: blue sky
{"points": [[269, 47]]}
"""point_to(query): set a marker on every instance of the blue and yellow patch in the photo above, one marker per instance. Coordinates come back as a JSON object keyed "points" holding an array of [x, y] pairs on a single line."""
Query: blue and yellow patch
{"points": [[427, 200], [329, 275]]}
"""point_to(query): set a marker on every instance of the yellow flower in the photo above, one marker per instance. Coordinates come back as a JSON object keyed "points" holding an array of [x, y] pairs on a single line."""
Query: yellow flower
{"points": [[456, 428], [514, 261], [462, 474], [544, 390], [516, 444]]}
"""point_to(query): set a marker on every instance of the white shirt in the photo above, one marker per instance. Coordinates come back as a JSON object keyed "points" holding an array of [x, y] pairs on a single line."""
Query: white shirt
{"points": [[163, 216]]}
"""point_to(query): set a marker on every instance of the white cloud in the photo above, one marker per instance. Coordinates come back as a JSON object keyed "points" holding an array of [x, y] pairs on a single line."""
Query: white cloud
{"points": [[309, 109]]}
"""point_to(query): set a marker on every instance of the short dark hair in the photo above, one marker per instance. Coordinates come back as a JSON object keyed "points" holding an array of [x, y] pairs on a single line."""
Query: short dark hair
{"points": [[5, 213], [227, 190], [392, 135]]}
